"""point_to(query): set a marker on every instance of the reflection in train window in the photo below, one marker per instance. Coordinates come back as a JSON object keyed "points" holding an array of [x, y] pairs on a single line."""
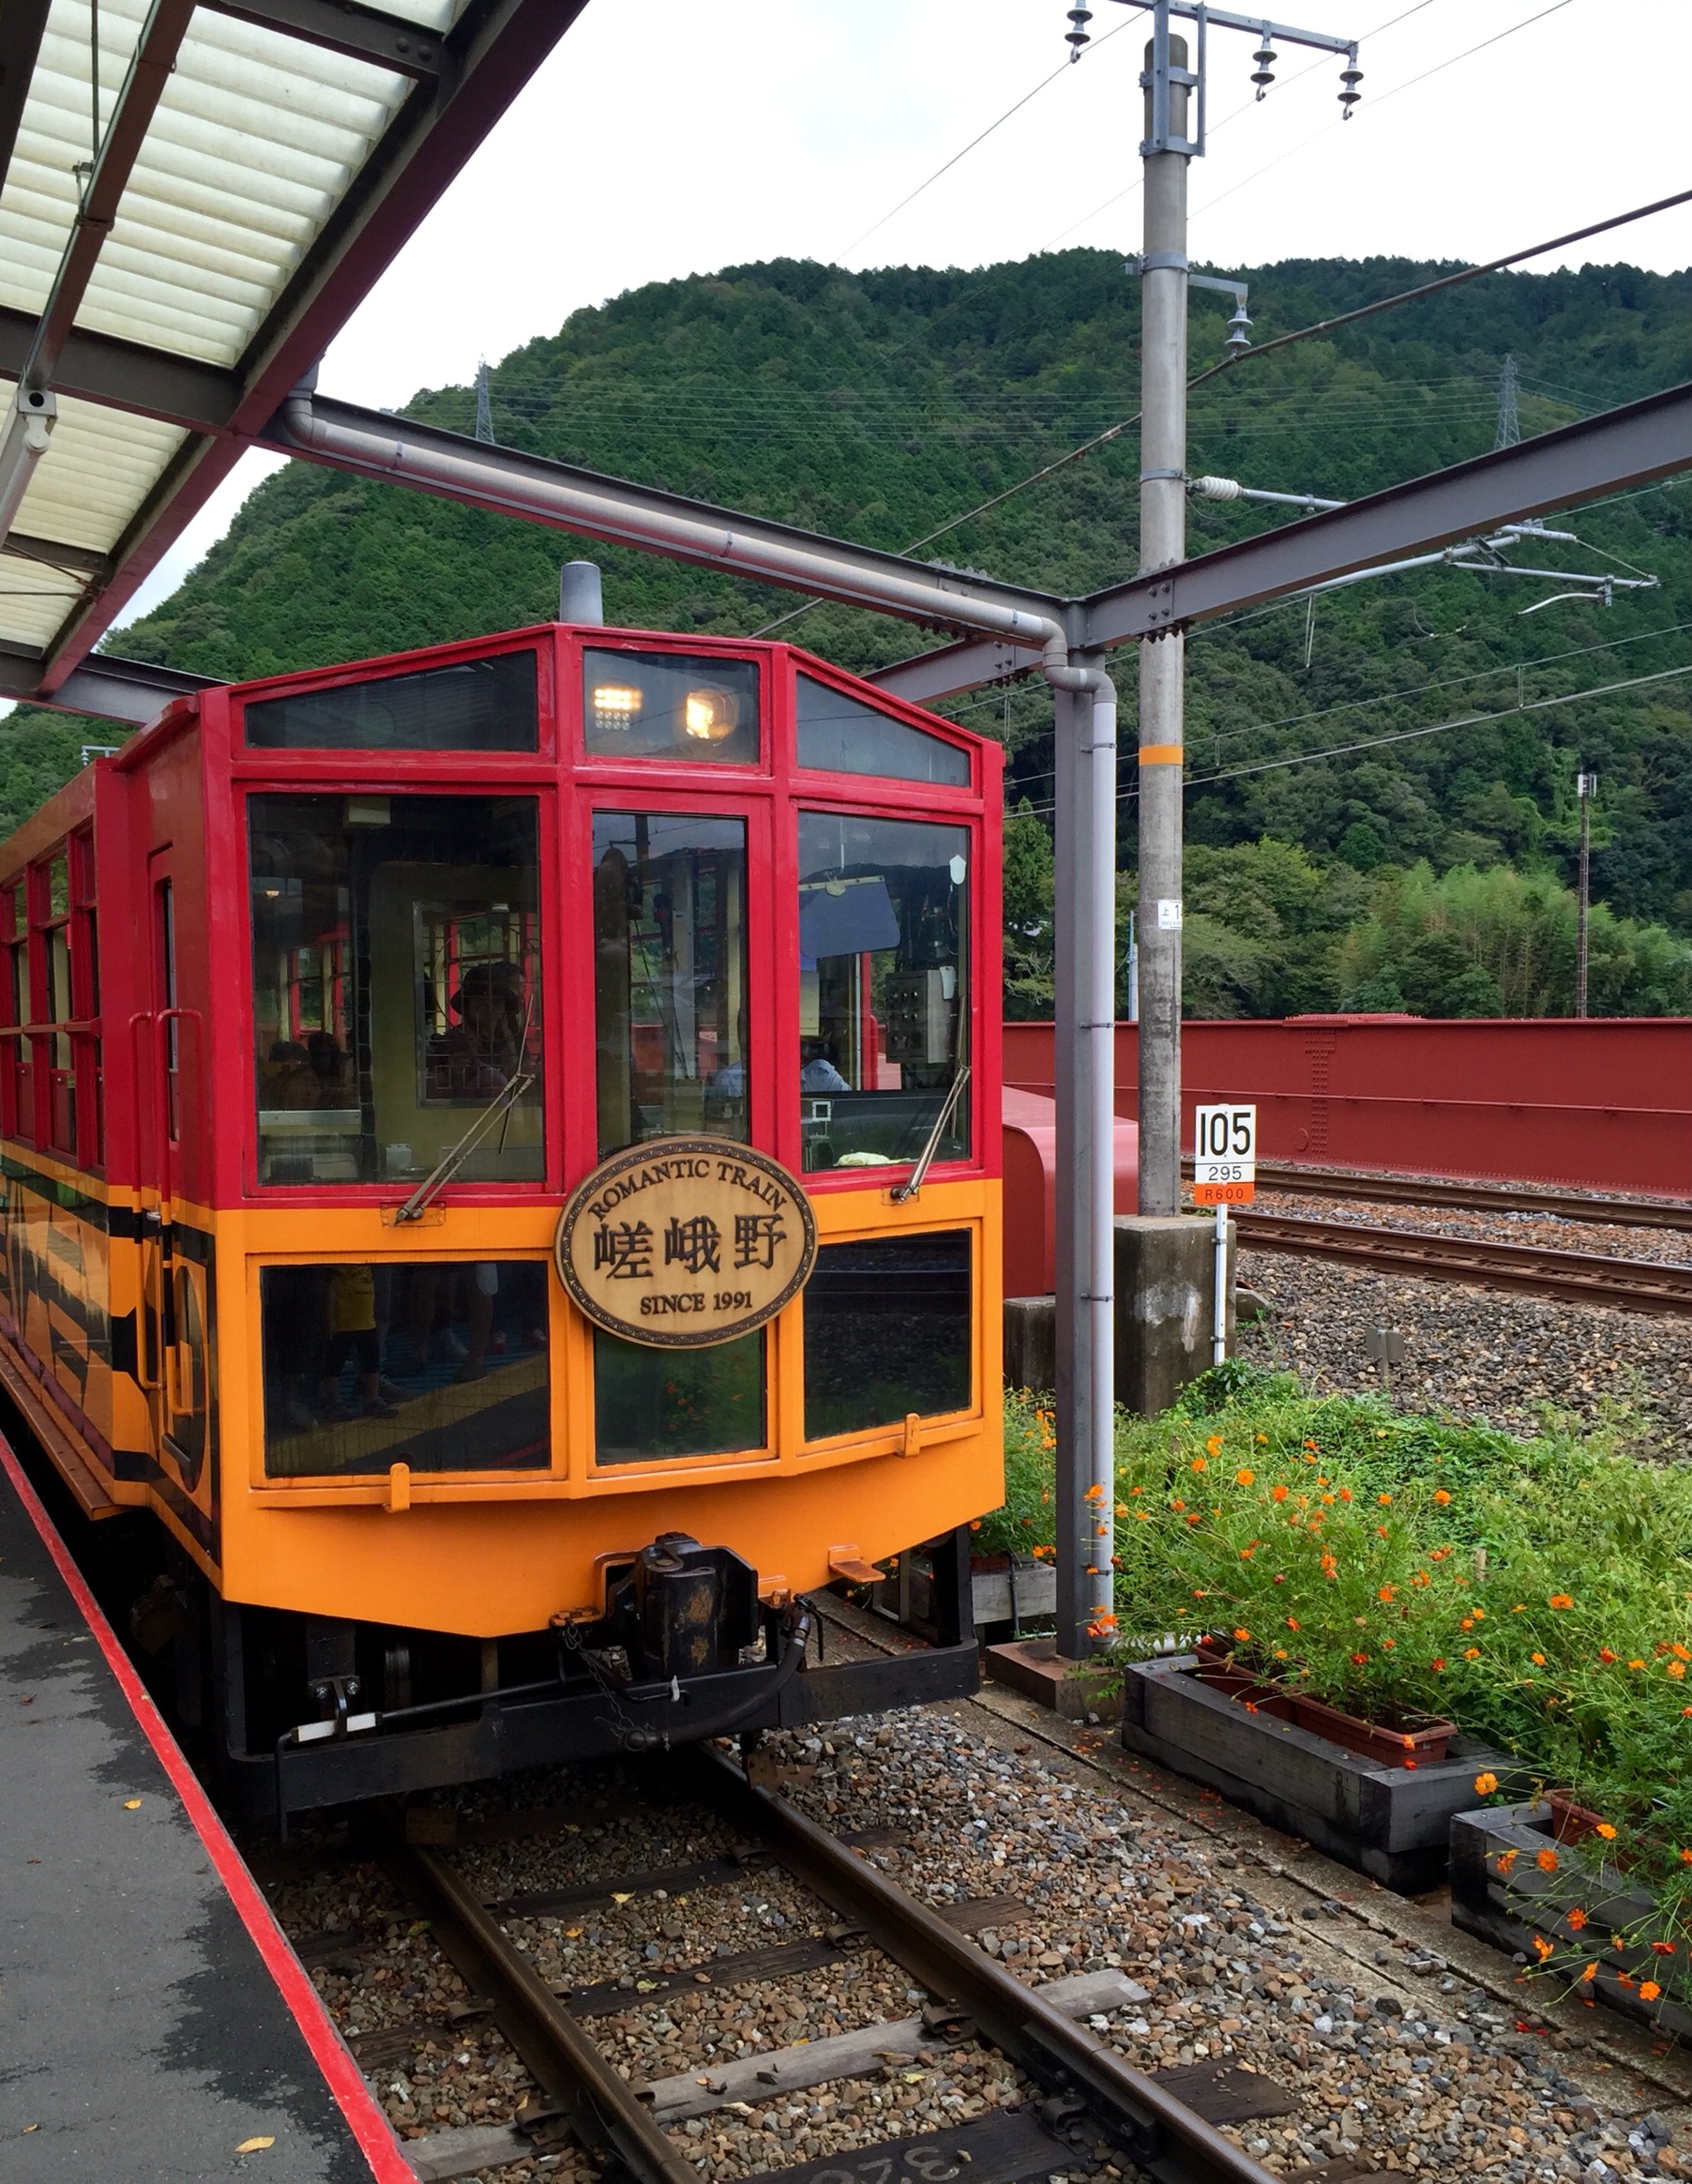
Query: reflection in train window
{"points": [[660, 704], [651, 1403], [474, 705], [886, 1332], [884, 989], [670, 976], [438, 1364], [397, 988], [841, 735]]}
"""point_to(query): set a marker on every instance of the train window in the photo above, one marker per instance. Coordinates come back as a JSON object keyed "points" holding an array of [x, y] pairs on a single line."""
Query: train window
{"points": [[657, 704], [397, 988], [434, 1363], [886, 1332], [670, 975], [884, 989], [651, 1403], [842, 734], [476, 705], [19, 1070]]}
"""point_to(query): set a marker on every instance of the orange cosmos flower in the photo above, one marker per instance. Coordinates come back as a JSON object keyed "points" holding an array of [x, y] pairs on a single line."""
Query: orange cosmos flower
{"points": [[1436, 1666], [1649, 1990], [1542, 1948], [1577, 1920], [1547, 1861], [1591, 1972], [1606, 1830], [1560, 1601], [1538, 1658], [1200, 1464], [1245, 1478], [1506, 1862], [1345, 1493], [1485, 1785], [1277, 1494], [1383, 1499], [1441, 1495], [1215, 1444], [1358, 1660], [1242, 1636], [1386, 1592], [1471, 1652]]}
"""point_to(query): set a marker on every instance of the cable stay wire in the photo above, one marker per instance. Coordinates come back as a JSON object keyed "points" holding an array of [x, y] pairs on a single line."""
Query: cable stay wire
{"points": [[1060, 69]]}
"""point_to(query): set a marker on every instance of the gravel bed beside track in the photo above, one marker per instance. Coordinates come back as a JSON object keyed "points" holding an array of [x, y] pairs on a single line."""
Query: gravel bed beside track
{"points": [[1477, 1355], [1399, 2058]]}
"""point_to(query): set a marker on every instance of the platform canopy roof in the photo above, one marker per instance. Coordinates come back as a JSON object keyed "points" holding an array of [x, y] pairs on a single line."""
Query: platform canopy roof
{"points": [[196, 195]]}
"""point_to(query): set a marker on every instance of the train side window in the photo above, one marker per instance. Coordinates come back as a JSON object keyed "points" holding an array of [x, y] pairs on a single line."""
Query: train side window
{"points": [[841, 735], [438, 1364], [660, 704], [19, 1058], [670, 976], [85, 1004], [883, 988], [396, 987], [474, 704], [887, 1333]]}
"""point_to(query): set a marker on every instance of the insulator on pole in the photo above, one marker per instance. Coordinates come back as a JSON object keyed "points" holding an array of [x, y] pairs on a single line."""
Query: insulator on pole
{"points": [[1080, 35], [1263, 74]]}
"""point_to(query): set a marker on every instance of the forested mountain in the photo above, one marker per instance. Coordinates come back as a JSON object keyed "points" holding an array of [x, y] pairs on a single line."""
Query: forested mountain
{"points": [[1428, 872]]}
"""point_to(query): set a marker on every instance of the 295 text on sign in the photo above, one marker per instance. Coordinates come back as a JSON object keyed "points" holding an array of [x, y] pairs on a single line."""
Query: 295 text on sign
{"points": [[1224, 1155]]}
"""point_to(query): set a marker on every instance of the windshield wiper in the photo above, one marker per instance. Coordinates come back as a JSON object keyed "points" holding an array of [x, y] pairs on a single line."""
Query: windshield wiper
{"points": [[912, 1183], [448, 1166]]}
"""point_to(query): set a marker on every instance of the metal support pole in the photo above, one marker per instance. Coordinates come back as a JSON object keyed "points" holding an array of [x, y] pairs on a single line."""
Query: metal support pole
{"points": [[1162, 662], [1085, 752], [1218, 1341], [1584, 785]]}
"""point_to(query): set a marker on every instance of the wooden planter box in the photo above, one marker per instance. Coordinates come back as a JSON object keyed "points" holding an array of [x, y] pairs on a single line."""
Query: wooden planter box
{"points": [[1392, 1823], [1510, 1910]]}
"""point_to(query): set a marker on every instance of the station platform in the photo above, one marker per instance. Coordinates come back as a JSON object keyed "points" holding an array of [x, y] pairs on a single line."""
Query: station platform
{"points": [[154, 2026]]}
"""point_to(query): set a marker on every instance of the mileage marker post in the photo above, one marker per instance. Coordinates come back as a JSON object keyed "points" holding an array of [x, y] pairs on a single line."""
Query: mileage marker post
{"points": [[1224, 1174]]}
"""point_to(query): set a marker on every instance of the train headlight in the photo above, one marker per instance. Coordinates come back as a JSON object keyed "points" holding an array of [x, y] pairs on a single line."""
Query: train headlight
{"points": [[709, 716], [616, 704]]}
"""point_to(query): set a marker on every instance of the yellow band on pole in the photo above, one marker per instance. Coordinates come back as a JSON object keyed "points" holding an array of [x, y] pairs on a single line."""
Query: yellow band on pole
{"points": [[1162, 754]]}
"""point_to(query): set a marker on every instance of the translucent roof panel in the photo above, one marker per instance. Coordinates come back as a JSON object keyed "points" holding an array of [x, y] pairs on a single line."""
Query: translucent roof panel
{"points": [[241, 240], [100, 464], [34, 598]]}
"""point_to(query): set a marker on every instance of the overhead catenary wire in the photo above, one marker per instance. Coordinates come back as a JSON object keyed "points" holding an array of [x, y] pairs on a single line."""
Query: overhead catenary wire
{"points": [[1298, 75], [1411, 735], [1516, 667], [1378, 101], [1233, 363], [911, 198]]}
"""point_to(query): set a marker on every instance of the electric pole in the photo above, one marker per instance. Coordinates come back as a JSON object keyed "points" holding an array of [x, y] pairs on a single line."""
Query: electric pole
{"points": [[1586, 785], [1162, 661], [1174, 100], [484, 402]]}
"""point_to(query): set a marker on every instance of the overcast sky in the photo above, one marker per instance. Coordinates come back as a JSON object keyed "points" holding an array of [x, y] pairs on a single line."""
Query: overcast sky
{"points": [[665, 138]]}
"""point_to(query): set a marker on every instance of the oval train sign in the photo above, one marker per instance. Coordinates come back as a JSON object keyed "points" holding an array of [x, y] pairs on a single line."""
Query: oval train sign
{"points": [[682, 1243]]}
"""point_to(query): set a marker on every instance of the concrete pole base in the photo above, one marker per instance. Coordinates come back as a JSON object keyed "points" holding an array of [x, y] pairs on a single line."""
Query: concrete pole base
{"points": [[1165, 1306]]}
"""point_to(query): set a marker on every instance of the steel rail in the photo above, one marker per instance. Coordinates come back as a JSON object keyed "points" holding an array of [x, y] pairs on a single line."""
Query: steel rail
{"points": [[565, 2062], [1666, 1213], [1156, 2132], [1571, 1277]]}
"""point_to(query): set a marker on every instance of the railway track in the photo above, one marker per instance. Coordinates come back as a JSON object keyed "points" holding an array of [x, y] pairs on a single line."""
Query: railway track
{"points": [[1081, 2104], [1571, 1276], [1475, 1197]]}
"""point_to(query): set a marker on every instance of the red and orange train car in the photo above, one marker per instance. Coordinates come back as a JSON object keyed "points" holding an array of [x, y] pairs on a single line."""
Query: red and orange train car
{"points": [[328, 994]]}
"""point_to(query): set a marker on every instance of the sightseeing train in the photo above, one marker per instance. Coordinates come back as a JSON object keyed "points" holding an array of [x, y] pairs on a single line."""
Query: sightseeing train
{"points": [[501, 1160]]}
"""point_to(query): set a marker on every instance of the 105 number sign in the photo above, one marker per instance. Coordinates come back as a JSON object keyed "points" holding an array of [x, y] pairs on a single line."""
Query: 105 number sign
{"points": [[1224, 1156]]}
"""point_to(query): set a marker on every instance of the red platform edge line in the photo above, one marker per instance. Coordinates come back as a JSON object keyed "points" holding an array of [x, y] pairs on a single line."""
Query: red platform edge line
{"points": [[365, 2118]]}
